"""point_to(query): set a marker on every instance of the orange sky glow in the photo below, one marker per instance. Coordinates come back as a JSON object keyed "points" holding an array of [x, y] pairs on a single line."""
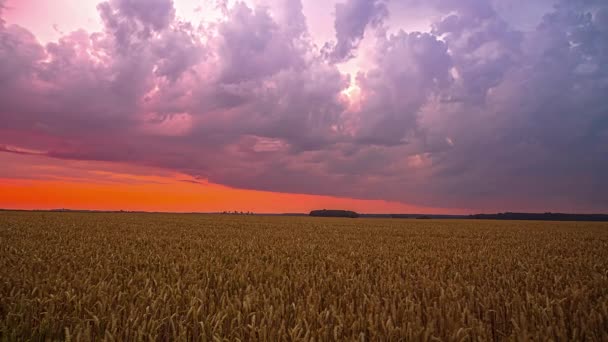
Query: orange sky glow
{"points": [[32, 181], [39, 182]]}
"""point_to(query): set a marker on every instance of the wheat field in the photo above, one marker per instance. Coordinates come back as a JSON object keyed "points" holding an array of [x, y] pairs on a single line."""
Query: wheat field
{"points": [[161, 277]]}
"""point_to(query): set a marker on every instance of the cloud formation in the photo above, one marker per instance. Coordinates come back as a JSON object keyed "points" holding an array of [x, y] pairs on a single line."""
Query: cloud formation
{"points": [[351, 20], [482, 112]]}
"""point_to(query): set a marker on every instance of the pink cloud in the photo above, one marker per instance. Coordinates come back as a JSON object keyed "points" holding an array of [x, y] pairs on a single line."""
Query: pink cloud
{"points": [[475, 112]]}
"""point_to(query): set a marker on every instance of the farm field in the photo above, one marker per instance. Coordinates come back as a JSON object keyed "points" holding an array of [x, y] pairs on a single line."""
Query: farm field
{"points": [[92, 276]]}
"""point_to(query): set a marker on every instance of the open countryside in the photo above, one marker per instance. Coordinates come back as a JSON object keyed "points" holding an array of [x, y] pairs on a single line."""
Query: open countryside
{"points": [[92, 276]]}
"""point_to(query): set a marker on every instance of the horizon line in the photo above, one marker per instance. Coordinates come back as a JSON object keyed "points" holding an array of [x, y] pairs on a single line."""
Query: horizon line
{"points": [[240, 212]]}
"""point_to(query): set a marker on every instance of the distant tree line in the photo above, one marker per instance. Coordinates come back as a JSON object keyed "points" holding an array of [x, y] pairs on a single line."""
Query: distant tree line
{"points": [[334, 213], [541, 217]]}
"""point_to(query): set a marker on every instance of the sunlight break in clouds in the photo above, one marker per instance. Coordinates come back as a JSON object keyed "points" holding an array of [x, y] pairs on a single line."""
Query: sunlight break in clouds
{"points": [[443, 103]]}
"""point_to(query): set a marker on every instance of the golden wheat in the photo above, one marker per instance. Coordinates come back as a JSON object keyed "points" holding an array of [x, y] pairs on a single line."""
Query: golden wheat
{"points": [[79, 277]]}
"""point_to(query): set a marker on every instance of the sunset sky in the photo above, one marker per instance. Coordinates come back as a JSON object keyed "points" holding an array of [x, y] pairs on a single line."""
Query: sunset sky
{"points": [[442, 106]]}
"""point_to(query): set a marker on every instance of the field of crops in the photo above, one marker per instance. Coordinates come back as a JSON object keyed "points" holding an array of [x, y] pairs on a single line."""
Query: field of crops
{"points": [[72, 276]]}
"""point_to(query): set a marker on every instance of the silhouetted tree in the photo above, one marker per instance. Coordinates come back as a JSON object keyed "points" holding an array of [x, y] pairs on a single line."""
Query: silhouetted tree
{"points": [[334, 213]]}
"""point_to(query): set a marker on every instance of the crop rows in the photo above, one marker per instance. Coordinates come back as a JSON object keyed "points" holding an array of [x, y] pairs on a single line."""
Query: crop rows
{"points": [[79, 277]]}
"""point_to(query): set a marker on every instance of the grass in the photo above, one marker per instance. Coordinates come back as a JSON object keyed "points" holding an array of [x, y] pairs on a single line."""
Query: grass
{"points": [[74, 276]]}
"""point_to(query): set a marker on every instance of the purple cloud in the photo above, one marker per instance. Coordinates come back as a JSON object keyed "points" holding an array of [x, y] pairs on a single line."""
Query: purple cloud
{"points": [[409, 69], [478, 113], [352, 19]]}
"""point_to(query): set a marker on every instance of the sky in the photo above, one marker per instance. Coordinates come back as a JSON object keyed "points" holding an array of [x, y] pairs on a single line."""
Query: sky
{"points": [[437, 106]]}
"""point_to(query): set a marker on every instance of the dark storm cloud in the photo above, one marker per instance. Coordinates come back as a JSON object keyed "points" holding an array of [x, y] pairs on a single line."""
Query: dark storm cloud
{"points": [[352, 19], [478, 113], [538, 127]]}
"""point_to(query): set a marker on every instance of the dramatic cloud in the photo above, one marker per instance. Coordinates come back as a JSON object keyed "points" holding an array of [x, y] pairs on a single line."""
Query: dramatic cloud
{"points": [[409, 69], [126, 18], [352, 18], [494, 108]]}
